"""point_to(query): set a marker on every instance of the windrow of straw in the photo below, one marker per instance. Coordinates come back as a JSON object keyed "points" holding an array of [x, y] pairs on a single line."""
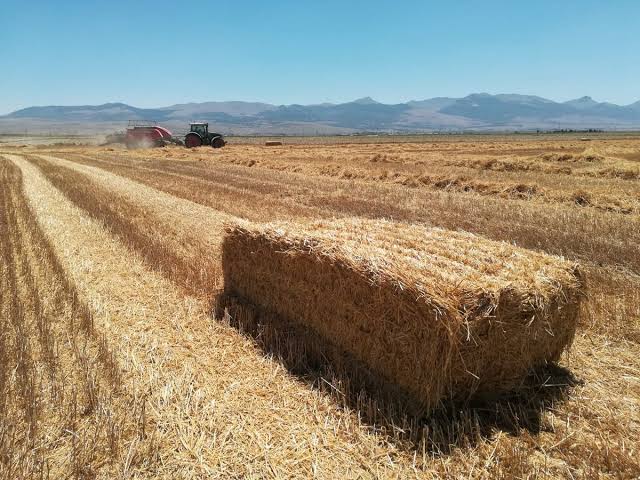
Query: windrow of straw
{"points": [[434, 313]]}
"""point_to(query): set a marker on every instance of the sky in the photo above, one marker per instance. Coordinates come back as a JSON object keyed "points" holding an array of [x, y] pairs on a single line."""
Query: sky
{"points": [[158, 53]]}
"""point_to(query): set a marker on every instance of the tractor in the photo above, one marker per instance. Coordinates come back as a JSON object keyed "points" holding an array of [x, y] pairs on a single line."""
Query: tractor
{"points": [[199, 134]]}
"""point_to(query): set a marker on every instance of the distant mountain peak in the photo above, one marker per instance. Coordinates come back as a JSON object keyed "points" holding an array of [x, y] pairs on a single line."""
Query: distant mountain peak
{"points": [[582, 102], [478, 95], [365, 101]]}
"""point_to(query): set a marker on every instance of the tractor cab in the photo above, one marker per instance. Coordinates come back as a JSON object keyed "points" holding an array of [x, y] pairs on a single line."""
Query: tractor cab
{"points": [[201, 129]]}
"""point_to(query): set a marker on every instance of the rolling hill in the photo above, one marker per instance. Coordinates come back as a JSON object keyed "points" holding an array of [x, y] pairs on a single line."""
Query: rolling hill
{"points": [[479, 111]]}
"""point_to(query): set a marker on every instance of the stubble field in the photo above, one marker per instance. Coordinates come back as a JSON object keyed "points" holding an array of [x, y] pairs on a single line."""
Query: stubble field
{"points": [[115, 362]]}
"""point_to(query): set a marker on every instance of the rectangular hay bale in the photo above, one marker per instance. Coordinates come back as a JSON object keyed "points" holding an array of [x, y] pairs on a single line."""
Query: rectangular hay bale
{"points": [[440, 314]]}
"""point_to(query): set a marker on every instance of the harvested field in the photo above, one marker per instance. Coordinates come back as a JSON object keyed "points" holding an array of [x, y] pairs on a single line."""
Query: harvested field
{"points": [[66, 410], [296, 194], [112, 261]]}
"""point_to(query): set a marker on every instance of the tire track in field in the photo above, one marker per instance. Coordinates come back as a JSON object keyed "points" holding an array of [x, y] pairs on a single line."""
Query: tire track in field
{"points": [[221, 408]]}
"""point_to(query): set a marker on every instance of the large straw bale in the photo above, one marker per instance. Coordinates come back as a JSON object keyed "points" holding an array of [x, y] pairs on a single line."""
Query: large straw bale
{"points": [[439, 314]]}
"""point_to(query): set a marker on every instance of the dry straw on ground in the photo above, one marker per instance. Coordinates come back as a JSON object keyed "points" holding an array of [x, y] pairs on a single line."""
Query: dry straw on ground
{"points": [[435, 313], [244, 421]]}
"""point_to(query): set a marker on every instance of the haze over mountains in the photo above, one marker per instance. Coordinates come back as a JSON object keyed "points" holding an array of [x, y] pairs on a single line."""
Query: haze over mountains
{"points": [[480, 112]]}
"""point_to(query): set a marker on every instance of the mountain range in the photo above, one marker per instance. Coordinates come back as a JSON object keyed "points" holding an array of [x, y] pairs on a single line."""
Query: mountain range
{"points": [[480, 112]]}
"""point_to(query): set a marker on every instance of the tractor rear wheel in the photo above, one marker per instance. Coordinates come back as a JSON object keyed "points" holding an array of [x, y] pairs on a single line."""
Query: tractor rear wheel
{"points": [[192, 140], [217, 142]]}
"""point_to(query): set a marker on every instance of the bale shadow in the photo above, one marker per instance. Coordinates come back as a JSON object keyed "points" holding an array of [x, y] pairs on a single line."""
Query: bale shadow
{"points": [[384, 407], [462, 424]]}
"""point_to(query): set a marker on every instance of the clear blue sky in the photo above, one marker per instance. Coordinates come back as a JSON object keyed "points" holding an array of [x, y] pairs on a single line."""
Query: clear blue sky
{"points": [[156, 53]]}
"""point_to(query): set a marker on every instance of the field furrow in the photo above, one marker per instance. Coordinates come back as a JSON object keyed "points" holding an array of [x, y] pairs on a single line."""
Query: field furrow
{"points": [[64, 408], [614, 294], [191, 261], [117, 362], [247, 415], [600, 237], [593, 178]]}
